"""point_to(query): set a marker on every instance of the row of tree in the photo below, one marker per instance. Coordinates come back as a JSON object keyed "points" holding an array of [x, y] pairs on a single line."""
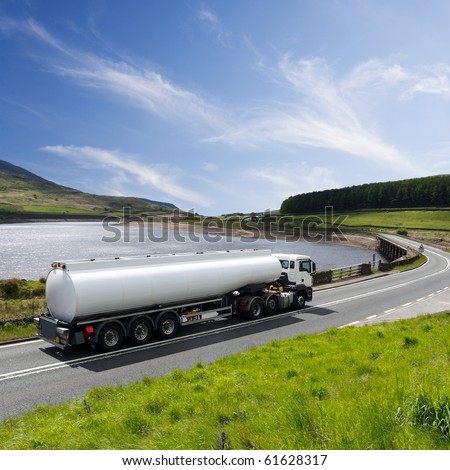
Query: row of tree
{"points": [[430, 191]]}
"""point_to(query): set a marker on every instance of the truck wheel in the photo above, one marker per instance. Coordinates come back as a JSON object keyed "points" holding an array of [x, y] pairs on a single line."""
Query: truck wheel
{"points": [[140, 331], [301, 300], [110, 337], [256, 309], [168, 326], [271, 305]]}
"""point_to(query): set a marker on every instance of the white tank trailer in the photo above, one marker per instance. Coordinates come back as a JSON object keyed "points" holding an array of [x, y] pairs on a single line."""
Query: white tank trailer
{"points": [[104, 301]]}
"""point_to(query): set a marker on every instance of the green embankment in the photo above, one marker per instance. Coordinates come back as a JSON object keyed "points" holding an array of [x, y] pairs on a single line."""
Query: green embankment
{"points": [[409, 219], [432, 226], [373, 387]]}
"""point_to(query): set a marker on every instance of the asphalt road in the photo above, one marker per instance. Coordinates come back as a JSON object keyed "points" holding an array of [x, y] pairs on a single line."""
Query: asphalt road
{"points": [[34, 372]]}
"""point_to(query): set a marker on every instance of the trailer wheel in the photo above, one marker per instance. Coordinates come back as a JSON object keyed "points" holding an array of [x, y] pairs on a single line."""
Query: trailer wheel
{"points": [[141, 330], [301, 300], [110, 337], [256, 309], [168, 326], [271, 305]]}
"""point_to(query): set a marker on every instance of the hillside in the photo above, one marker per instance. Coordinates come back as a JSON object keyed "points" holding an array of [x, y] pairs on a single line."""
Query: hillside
{"points": [[431, 191], [24, 194]]}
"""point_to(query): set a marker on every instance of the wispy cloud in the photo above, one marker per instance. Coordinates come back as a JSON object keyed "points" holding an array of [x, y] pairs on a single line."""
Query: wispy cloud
{"points": [[309, 178], [319, 116], [376, 74], [140, 86], [437, 82], [146, 89], [210, 167], [33, 29], [214, 25], [126, 167], [25, 107], [322, 112]]}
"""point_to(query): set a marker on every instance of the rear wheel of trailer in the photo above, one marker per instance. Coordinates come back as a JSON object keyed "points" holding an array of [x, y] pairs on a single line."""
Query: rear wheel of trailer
{"points": [[110, 337]]}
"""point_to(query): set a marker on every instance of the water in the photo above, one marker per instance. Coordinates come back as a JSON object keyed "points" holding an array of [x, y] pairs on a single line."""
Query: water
{"points": [[27, 250]]}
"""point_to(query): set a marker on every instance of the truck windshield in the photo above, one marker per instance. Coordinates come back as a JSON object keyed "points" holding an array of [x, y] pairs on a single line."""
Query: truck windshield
{"points": [[305, 266]]}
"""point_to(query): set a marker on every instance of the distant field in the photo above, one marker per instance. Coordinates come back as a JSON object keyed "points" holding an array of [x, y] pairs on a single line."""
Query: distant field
{"points": [[419, 219], [430, 226]]}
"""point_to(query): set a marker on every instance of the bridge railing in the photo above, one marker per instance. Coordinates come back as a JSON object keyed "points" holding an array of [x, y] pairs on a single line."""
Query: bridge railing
{"points": [[346, 271], [336, 274]]}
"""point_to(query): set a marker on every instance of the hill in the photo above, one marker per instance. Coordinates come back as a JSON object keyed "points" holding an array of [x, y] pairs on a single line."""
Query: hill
{"points": [[24, 194], [431, 191]]}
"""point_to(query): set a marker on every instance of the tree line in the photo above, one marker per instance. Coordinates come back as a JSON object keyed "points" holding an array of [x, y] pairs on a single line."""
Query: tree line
{"points": [[430, 191]]}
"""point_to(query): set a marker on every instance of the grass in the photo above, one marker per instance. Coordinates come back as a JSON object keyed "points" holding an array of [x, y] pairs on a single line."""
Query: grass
{"points": [[20, 301], [422, 259], [412, 219], [430, 226], [383, 219], [11, 331], [372, 387]]}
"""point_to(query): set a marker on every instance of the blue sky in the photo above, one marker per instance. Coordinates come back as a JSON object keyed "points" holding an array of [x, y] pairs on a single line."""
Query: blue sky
{"points": [[225, 105]]}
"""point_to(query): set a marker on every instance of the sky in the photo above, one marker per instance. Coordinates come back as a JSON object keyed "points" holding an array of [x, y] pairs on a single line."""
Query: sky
{"points": [[228, 105]]}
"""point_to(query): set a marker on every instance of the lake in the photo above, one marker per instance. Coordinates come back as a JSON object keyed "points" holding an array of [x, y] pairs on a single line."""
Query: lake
{"points": [[28, 249]]}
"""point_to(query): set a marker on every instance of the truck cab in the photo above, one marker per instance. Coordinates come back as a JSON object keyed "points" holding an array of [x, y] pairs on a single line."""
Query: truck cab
{"points": [[296, 270]]}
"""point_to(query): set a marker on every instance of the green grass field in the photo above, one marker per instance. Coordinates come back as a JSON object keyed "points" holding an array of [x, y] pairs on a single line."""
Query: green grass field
{"points": [[430, 226], [412, 219], [380, 387]]}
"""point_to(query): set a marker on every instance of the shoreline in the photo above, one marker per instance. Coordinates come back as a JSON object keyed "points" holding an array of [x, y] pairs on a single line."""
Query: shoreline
{"points": [[357, 240]]}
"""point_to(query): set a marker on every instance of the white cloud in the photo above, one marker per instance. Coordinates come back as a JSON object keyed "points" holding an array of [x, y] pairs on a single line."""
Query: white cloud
{"points": [[319, 116], [210, 167], [214, 25], [298, 177], [375, 74], [126, 166], [144, 88], [436, 83], [140, 86], [322, 112]]}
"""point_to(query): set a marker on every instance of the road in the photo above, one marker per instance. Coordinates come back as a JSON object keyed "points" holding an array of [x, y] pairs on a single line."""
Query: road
{"points": [[34, 372]]}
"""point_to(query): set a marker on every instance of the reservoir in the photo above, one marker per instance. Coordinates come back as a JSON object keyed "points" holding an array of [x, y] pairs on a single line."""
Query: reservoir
{"points": [[28, 249]]}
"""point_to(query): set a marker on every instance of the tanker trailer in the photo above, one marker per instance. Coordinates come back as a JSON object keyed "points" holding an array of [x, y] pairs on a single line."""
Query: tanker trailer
{"points": [[104, 301]]}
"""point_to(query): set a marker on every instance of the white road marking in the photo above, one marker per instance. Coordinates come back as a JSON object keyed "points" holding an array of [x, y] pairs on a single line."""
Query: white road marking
{"points": [[350, 324], [22, 343]]}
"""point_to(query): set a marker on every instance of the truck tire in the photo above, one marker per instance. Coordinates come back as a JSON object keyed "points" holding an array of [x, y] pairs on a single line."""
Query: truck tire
{"points": [[271, 305], [141, 330], [301, 300], [110, 337], [256, 309], [168, 326]]}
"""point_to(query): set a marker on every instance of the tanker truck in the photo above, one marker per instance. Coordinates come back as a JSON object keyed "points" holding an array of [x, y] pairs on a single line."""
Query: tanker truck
{"points": [[103, 302]]}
